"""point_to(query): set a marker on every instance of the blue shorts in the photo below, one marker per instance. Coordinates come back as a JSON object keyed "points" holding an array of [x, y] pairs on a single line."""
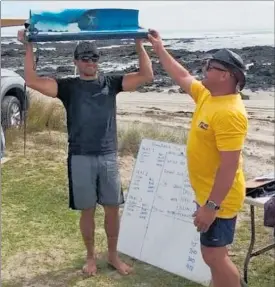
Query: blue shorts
{"points": [[94, 179], [220, 234]]}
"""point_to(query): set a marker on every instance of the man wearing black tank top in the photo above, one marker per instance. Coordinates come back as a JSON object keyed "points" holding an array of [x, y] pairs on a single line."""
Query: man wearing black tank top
{"points": [[93, 173]]}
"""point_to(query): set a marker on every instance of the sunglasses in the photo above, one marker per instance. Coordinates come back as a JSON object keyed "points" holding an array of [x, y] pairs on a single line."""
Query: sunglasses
{"points": [[88, 58], [208, 66]]}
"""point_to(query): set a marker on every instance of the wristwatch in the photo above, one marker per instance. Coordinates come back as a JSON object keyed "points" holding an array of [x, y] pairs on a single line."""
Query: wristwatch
{"points": [[212, 205]]}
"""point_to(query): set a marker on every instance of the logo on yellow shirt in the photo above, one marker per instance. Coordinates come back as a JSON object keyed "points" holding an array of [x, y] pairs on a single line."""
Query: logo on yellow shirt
{"points": [[203, 126]]}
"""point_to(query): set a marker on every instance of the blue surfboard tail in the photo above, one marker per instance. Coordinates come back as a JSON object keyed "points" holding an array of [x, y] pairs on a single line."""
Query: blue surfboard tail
{"points": [[84, 24]]}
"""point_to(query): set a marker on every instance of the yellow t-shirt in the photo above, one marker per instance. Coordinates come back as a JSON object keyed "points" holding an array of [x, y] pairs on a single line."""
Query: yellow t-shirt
{"points": [[218, 124]]}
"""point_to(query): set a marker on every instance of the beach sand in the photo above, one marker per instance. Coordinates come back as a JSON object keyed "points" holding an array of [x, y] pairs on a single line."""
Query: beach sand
{"points": [[174, 111]]}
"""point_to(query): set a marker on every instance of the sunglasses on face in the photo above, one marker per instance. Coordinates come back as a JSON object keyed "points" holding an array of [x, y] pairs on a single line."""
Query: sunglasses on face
{"points": [[208, 66], [88, 58]]}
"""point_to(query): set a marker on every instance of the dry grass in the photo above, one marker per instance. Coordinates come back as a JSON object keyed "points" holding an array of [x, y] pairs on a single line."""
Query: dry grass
{"points": [[44, 120], [130, 136], [50, 116], [41, 245]]}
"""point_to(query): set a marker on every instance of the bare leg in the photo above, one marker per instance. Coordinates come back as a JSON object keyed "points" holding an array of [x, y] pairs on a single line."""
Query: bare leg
{"points": [[87, 227], [224, 272], [112, 229]]}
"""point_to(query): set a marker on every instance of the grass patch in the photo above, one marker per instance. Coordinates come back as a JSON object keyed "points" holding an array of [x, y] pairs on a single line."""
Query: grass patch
{"points": [[50, 117], [46, 121], [41, 243], [130, 136]]}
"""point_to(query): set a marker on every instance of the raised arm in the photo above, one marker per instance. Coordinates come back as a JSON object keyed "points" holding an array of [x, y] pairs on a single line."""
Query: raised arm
{"points": [[132, 81], [175, 70], [46, 86]]}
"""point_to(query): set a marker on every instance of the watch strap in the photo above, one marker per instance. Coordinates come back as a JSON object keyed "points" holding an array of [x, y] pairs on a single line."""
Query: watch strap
{"points": [[212, 205]]}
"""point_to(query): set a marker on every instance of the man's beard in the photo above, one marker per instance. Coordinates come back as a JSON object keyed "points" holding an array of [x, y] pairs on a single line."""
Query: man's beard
{"points": [[88, 73]]}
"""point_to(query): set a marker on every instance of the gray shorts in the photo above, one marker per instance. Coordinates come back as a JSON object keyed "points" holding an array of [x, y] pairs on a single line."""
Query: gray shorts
{"points": [[94, 179]]}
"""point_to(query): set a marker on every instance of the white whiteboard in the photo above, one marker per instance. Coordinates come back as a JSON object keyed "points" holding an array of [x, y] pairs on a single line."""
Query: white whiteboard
{"points": [[157, 224]]}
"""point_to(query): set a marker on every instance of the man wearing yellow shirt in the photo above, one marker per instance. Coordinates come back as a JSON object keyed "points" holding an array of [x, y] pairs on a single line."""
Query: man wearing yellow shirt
{"points": [[218, 131]]}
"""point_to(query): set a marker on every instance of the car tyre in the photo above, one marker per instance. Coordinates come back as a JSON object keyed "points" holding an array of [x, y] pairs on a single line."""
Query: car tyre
{"points": [[11, 112]]}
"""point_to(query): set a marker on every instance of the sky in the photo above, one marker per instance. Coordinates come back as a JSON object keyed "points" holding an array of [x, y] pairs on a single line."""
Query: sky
{"points": [[164, 15]]}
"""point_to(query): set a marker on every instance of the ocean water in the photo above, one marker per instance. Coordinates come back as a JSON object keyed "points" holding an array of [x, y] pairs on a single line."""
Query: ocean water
{"points": [[202, 40], [207, 40]]}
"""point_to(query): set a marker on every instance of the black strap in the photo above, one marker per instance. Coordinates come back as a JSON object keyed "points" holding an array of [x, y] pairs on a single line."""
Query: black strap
{"points": [[25, 92]]}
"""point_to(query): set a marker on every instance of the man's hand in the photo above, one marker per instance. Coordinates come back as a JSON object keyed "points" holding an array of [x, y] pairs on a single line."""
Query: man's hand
{"points": [[21, 36], [139, 42], [203, 218], [155, 39]]}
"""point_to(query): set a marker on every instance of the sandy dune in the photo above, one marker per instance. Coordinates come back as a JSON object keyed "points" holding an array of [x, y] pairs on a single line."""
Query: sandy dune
{"points": [[175, 111]]}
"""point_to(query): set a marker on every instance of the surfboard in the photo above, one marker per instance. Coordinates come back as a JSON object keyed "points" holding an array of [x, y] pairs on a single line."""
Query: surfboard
{"points": [[84, 24]]}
